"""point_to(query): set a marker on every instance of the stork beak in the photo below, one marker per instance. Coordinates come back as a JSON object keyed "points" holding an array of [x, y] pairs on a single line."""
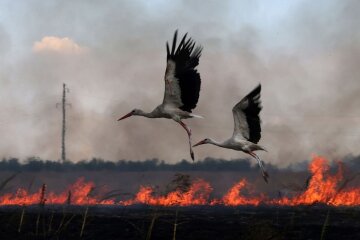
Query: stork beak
{"points": [[199, 143], [126, 116]]}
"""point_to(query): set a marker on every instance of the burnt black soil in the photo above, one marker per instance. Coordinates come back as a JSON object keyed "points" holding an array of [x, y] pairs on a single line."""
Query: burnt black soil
{"points": [[144, 222]]}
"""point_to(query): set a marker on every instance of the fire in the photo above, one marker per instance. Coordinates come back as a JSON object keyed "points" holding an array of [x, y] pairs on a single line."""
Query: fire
{"points": [[79, 194], [323, 187], [234, 198], [198, 194]]}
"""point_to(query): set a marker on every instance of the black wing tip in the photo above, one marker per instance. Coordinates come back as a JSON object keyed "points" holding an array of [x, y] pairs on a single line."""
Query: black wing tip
{"points": [[186, 56], [254, 96], [185, 46], [174, 43], [252, 114], [197, 52], [256, 90], [258, 87], [167, 49]]}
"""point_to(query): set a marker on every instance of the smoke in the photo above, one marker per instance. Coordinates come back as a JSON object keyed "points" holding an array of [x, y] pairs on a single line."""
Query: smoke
{"points": [[305, 54]]}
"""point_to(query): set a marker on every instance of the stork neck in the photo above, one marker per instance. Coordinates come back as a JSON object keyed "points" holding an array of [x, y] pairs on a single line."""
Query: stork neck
{"points": [[147, 114], [214, 142]]}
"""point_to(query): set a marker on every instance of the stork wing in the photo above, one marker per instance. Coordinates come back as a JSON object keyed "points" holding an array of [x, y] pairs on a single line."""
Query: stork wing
{"points": [[246, 116], [182, 81]]}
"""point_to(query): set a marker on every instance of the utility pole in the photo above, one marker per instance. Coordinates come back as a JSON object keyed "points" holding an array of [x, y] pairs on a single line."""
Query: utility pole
{"points": [[63, 129]]}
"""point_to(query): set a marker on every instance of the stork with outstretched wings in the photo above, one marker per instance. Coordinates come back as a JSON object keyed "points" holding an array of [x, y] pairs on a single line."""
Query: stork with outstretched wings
{"points": [[247, 129], [182, 85]]}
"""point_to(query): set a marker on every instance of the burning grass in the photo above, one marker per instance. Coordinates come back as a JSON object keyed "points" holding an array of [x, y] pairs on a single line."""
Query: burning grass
{"points": [[323, 187]]}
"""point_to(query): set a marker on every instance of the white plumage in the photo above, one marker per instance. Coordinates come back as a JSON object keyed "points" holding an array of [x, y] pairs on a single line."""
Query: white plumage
{"points": [[182, 85], [247, 129]]}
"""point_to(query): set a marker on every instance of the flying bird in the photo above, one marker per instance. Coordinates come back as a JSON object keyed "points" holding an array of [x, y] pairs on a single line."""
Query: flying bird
{"points": [[247, 129], [182, 85]]}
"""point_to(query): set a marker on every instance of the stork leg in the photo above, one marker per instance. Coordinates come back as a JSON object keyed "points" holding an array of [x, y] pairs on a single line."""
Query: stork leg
{"points": [[263, 171], [188, 130]]}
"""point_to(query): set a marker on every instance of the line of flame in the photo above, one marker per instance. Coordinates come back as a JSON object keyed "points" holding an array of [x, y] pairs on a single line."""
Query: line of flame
{"points": [[323, 188]]}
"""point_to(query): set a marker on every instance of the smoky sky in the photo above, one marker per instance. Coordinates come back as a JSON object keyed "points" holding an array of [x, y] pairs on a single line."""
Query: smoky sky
{"points": [[304, 53]]}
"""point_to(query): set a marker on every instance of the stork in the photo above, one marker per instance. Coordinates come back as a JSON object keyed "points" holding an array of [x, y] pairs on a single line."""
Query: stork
{"points": [[247, 130], [182, 85]]}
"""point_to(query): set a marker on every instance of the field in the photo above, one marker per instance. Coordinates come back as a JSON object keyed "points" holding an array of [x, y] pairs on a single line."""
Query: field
{"points": [[320, 204], [200, 222]]}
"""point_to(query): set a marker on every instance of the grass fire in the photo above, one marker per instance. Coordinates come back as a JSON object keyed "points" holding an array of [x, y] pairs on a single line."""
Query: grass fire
{"points": [[325, 204], [323, 187]]}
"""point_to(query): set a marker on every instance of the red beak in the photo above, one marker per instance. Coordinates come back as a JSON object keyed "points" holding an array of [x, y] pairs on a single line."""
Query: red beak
{"points": [[126, 116], [199, 143]]}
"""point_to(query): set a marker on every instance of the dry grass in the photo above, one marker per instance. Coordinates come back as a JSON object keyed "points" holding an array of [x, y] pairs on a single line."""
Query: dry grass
{"points": [[326, 222], [86, 212], [84, 220], [21, 218], [42, 202], [152, 223], [175, 224]]}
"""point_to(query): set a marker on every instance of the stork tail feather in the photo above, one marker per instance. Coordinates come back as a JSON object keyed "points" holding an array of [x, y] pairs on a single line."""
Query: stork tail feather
{"points": [[195, 116]]}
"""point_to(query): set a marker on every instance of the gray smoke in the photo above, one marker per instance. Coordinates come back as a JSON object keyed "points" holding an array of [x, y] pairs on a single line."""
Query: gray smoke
{"points": [[305, 54]]}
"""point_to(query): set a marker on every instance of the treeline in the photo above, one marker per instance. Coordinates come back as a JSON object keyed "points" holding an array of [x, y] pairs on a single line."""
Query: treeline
{"points": [[208, 164], [96, 164]]}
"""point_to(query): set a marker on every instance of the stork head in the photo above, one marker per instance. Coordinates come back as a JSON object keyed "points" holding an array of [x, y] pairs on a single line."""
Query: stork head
{"points": [[205, 141], [134, 112]]}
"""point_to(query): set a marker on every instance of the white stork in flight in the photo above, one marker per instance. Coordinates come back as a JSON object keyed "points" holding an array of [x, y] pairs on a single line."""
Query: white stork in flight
{"points": [[182, 85], [247, 130]]}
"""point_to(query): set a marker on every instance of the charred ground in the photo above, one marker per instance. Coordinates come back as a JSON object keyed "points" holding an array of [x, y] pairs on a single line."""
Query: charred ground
{"points": [[205, 222]]}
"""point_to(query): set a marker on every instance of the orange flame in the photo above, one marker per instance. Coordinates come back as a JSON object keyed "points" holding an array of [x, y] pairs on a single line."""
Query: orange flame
{"points": [[234, 198], [323, 187], [81, 194], [198, 194]]}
